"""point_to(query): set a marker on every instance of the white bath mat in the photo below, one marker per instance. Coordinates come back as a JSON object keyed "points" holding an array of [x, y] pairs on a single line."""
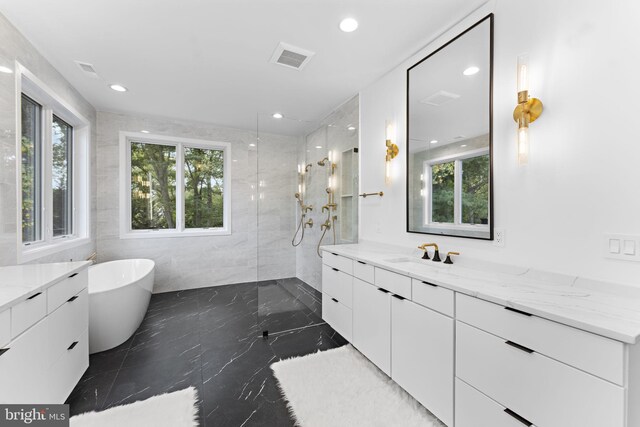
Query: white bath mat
{"points": [[177, 409], [340, 387]]}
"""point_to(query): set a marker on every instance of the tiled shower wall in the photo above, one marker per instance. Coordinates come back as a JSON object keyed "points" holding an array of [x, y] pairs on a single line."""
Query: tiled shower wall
{"points": [[193, 262], [332, 135]]}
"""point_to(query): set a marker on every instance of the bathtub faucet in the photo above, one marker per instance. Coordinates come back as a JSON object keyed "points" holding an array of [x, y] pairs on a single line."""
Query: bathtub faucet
{"points": [[93, 258]]}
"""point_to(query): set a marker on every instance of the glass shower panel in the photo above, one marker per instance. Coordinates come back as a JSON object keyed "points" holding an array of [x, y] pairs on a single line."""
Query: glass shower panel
{"points": [[307, 185], [284, 301]]}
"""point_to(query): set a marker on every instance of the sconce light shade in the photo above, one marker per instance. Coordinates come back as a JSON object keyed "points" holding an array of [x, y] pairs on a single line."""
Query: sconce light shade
{"points": [[392, 149], [527, 110]]}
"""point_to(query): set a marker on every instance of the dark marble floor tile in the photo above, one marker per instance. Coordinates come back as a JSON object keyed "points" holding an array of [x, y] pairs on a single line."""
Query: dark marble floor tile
{"points": [[108, 360], [91, 392], [143, 381], [154, 346], [302, 341]]}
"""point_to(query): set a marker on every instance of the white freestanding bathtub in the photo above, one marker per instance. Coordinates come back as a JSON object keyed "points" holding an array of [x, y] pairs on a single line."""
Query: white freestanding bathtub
{"points": [[119, 294]]}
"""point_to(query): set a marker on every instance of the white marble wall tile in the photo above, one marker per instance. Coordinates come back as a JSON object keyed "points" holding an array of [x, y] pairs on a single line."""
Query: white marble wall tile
{"points": [[259, 246]]}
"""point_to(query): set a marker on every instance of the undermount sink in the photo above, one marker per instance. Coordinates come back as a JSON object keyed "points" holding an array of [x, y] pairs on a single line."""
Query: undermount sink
{"points": [[417, 261]]}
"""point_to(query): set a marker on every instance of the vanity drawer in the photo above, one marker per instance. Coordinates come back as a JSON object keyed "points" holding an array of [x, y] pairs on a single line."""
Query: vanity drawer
{"points": [[334, 260], [474, 409], [5, 327], [28, 312], [337, 284], [393, 282], [433, 296], [363, 271], [59, 293], [542, 390], [67, 323], [595, 354], [69, 368], [337, 315]]}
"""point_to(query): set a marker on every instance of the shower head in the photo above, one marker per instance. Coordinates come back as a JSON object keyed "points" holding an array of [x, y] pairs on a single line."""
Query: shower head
{"points": [[297, 196], [323, 161], [307, 167]]}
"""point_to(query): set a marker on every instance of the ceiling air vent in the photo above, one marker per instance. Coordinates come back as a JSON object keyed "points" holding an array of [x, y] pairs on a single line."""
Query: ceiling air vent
{"points": [[88, 69], [440, 98], [291, 56]]}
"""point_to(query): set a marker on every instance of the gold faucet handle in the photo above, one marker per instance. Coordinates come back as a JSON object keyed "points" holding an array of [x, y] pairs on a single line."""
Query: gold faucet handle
{"points": [[449, 255]]}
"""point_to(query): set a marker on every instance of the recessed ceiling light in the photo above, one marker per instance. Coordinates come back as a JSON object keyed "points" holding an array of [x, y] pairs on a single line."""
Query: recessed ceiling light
{"points": [[235, 160], [144, 131], [252, 145], [471, 71], [351, 128], [118, 88], [463, 145], [433, 141], [277, 115], [318, 146], [348, 25], [5, 70]]}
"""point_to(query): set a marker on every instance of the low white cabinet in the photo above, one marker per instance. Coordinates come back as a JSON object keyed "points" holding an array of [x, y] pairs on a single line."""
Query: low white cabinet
{"points": [[422, 356], [48, 352], [372, 323]]}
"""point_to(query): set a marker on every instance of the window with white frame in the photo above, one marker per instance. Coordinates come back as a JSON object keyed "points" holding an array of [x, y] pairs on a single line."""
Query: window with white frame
{"points": [[53, 171], [174, 187], [459, 190]]}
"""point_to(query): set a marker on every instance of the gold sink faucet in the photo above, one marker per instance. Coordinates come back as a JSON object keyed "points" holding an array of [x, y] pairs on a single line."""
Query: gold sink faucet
{"points": [[436, 254]]}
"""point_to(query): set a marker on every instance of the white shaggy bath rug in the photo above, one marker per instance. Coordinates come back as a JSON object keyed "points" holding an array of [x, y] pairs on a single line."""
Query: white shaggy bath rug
{"points": [[341, 387], [177, 409]]}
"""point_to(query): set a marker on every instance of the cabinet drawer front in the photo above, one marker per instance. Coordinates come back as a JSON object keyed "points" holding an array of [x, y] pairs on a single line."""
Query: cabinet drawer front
{"points": [[337, 284], [23, 368], [363, 271], [337, 315], [69, 368], [474, 409], [28, 312], [542, 390], [59, 293], [422, 356], [600, 356], [434, 297], [338, 261], [393, 282], [67, 323], [5, 327]]}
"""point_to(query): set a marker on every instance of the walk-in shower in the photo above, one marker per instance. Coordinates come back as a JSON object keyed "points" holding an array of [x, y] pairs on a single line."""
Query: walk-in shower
{"points": [[307, 173]]}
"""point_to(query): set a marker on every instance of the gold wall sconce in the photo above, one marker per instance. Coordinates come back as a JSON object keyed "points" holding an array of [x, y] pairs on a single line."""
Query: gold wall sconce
{"points": [[527, 110], [392, 149]]}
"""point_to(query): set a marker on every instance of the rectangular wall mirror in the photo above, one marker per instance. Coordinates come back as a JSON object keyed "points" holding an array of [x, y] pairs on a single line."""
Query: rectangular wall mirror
{"points": [[449, 137]]}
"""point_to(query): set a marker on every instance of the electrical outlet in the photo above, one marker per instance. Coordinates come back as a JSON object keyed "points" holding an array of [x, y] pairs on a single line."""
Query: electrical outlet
{"points": [[622, 246], [498, 237]]}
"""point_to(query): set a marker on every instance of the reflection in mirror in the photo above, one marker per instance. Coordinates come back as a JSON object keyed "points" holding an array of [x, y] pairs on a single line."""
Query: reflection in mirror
{"points": [[449, 138]]}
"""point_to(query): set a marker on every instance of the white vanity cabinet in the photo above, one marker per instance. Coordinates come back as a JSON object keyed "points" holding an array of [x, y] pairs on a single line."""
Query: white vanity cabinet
{"points": [[49, 350], [476, 363], [372, 323], [422, 356]]}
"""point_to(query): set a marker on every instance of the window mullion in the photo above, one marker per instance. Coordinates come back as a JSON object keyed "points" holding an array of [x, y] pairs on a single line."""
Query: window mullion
{"points": [[180, 205], [457, 192], [47, 174]]}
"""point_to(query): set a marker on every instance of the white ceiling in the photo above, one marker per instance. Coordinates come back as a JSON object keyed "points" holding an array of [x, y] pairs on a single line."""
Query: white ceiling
{"points": [[208, 60]]}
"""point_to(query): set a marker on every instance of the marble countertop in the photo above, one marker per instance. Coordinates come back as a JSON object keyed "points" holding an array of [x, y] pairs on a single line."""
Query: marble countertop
{"points": [[19, 282], [609, 310]]}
